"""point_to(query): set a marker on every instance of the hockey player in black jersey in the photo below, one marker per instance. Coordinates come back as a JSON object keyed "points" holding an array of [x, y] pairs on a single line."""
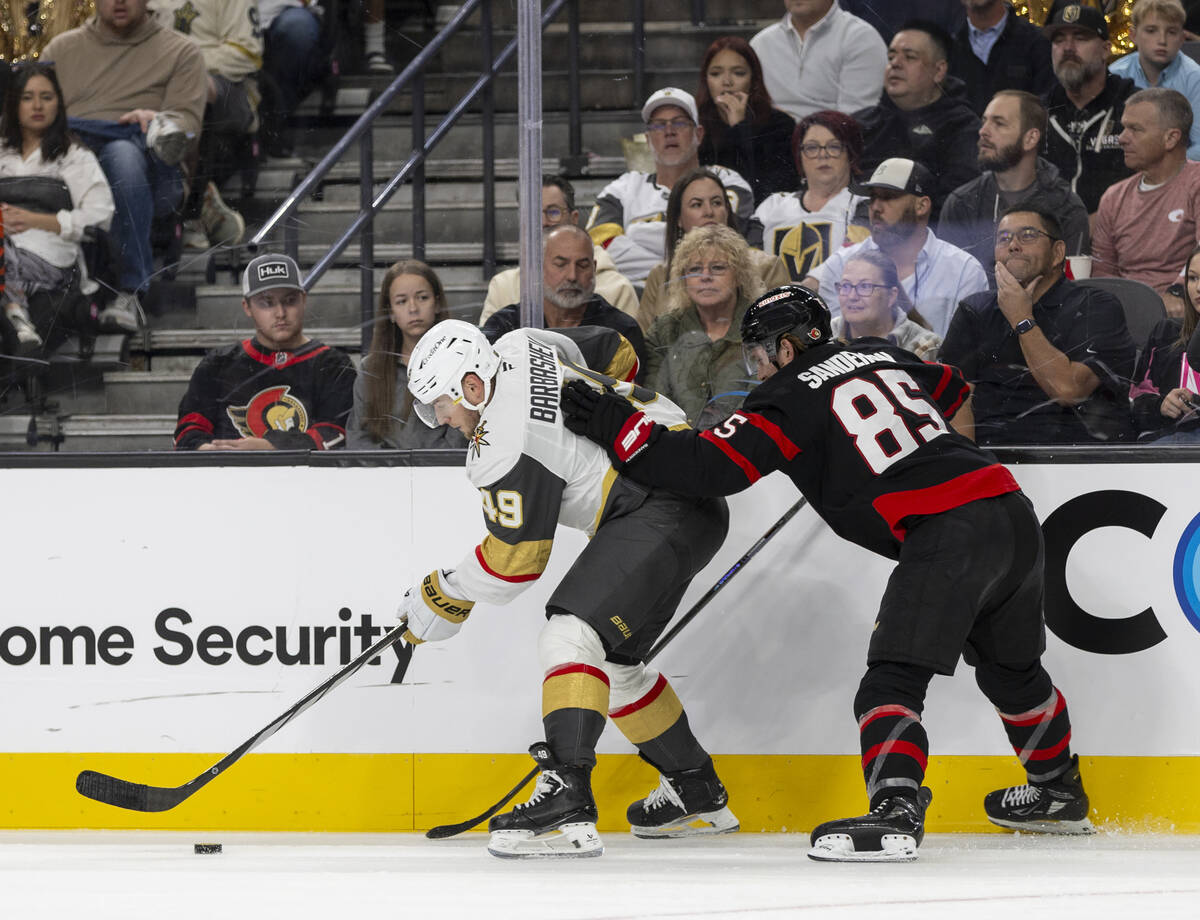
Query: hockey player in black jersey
{"points": [[862, 431]]}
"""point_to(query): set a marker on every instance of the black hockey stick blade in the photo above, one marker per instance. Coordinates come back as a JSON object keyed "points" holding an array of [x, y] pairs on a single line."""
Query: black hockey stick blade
{"points": [[121, 793], [442, 831]]}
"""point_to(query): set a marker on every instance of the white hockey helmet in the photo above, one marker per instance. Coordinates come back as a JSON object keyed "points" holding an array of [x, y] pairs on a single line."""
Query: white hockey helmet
{"points": [[444, 355]]}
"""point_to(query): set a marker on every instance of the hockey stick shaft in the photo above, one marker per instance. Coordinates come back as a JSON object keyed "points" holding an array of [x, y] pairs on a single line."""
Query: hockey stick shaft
{"points": [[443, 831], [139, 797]]}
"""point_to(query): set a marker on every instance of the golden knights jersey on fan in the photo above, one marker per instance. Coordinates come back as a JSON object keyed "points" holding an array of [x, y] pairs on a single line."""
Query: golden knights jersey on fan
{"points": [[296, 400], [532, 473]]}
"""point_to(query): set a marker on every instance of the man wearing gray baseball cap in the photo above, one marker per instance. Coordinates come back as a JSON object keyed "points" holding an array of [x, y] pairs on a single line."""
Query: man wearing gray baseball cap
{"points": [[279, 389]]}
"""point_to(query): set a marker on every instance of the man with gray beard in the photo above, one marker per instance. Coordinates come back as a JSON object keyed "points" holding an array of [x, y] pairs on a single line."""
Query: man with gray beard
{"points": [[569, 295], [1013, 129], [1085, 108]]}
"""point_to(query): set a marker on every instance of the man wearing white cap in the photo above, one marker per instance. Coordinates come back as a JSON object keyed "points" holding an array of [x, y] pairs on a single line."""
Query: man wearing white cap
{"points": [[279, 389], [628, 219], [934, 274]]}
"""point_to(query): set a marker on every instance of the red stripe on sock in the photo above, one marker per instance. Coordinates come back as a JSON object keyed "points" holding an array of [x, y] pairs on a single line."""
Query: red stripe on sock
{"points": [[659, 686], [576, 667], [1034, 716], [891, 710], [1050, 752], [887, 748]]}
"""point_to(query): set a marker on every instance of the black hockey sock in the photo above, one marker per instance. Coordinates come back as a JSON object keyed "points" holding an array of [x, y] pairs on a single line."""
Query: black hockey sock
{"points": [[1042, 738], [659, 727], [574, 703], [895, 750]]}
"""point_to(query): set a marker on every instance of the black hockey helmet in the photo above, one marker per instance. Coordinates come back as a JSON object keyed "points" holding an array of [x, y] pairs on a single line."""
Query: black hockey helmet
{"points": [[788, 308]]}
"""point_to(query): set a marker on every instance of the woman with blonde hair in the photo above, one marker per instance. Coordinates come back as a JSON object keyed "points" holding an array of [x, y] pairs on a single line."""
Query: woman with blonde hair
{"points": [[411, 300], [874, 304], [695, 349]]}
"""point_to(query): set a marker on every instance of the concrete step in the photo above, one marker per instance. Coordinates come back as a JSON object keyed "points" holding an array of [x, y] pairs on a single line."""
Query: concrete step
{"points": [[144, 392], [678, 12]]}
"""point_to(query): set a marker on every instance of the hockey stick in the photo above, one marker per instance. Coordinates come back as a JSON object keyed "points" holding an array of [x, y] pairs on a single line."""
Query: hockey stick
{"points": [[442, 831], [139, 797]]}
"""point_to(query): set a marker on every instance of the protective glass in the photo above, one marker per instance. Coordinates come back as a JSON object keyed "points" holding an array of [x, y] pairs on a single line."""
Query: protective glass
{"points": [[757, 355]]}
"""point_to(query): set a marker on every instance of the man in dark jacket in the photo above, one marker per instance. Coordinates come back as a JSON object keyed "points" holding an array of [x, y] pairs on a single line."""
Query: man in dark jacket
{"points": [[1014, 124], [996, 49], [1086, 104], [923, 114]]}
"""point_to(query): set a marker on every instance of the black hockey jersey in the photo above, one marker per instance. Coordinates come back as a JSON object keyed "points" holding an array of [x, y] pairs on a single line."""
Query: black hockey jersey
{"points": [[860, 429], [296, 400]]}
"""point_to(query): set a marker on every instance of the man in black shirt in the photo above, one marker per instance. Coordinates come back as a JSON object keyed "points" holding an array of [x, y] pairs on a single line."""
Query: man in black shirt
{"points": [[862, 431], [996, 49], [1049, 360]]}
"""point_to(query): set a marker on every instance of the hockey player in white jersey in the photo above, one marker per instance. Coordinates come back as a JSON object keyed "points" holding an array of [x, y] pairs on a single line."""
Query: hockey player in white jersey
{"points": [[602, 618]]}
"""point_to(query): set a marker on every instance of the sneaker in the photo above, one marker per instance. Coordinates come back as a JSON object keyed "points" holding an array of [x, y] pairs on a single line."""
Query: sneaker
{"points": [[194, 236], [1057, 807], [166, 139], [891, 832], [559, 820], [27, 335], [377, 62], [124, 313], [223, 226], [689, 803]]}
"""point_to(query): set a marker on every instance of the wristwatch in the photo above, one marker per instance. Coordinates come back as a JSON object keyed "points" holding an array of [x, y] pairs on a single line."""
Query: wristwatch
{"points": [[1024, 326]]}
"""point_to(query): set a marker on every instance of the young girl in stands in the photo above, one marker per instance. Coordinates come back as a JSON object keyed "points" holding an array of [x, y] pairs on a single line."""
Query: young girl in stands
{"points": [[44, 220], [411, 300]]}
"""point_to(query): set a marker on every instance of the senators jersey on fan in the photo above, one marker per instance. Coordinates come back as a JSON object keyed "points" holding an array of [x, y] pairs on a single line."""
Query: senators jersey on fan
{"points": [[532, 473], [860, 429], [296, 400]]}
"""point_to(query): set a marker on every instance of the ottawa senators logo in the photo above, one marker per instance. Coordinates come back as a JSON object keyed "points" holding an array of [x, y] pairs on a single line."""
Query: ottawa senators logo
{"points": [[273, 409]]}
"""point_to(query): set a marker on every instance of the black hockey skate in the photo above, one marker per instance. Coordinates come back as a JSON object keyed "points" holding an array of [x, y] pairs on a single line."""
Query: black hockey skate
{"points": [[687, 803], [1057, 807], [559, 820], [890, 832]]}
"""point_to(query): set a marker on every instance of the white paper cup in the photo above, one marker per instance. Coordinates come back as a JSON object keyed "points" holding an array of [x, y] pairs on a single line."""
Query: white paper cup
{"points": [[1081, 266]]}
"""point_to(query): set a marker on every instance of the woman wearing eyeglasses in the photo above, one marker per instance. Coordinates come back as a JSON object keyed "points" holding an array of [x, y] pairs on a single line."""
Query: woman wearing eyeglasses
{"points": [[874, 304], [695, 349], [742, 129], [803, 227]]}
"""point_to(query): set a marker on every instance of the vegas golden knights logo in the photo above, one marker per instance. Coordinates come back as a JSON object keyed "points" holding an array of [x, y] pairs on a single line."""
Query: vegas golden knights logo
{"points": [[803, 247], [1071, 13], [273, 409], [478, 440]]}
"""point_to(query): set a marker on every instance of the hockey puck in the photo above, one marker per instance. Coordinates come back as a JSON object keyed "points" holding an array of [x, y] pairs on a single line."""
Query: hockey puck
{"points": [[201, 848]]}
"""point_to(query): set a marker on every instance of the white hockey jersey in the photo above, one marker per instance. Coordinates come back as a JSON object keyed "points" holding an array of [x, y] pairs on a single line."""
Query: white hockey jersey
{"points": [[532, 473], [803, 239], [630, 213]]}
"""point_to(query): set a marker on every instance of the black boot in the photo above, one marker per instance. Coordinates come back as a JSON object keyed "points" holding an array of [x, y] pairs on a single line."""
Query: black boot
{"points": [[687, 803], [890, 832], [1057, 807]]}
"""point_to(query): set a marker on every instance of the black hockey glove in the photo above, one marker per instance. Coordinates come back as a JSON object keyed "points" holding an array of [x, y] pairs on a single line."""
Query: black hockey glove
{"points": [[608, 419]]}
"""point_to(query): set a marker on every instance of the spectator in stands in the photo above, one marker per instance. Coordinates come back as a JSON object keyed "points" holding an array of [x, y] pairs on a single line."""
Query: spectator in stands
{"points": [[569, 295], [1085, 106], [887, 16], [43, 227], [411, 301], [1158, 34], [227, 34], [279, 389], [997, 49], [1010, 138], [1148, 223], [803, 227], [934, 274], [698, 200], [820, 57], [558, 207], [291, 32], [1048, 360], [136, 93], [742, 129], [1166, 382], [923, 114], [696, 347], [628, 217], [874, 304], [374, 24]]}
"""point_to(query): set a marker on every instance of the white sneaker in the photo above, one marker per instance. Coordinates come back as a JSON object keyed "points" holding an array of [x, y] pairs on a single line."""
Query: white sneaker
{"points": [[23, 325], [377, 62], [124, 313], [166, 139], [194, 236], [223, 226]]}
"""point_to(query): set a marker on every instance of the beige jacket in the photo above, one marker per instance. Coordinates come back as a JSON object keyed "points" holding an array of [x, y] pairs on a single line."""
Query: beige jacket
{"points": [[505, 288]]}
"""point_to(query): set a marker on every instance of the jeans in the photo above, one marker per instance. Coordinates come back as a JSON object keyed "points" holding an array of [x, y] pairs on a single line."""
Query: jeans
{"points": [[143, 188], [289, 47]]}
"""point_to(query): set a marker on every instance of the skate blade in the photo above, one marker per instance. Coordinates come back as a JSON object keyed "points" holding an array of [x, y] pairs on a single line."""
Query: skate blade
{"points": [[840, 848], [1062, 828], [571, 841], [703, 824]]}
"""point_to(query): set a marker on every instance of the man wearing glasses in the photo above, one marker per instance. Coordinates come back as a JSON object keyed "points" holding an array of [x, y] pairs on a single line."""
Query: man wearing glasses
{"points": [[279, 389], [1048, 360], [628, 219]]}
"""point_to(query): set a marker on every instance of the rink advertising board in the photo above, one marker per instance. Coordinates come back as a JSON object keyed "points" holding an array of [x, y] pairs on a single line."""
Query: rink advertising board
{"points": [[151, 629]]}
